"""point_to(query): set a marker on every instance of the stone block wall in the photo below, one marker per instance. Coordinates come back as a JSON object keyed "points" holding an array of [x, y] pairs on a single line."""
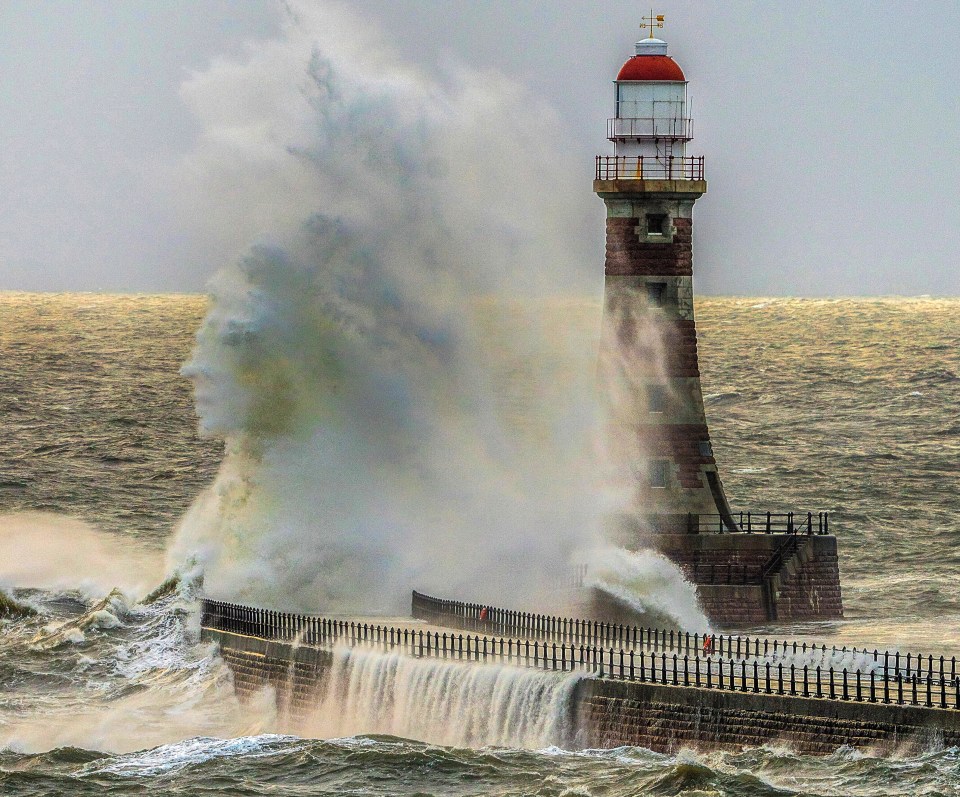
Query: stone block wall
{"points": [[682, 443], [627, 254], [808, 588], [297, 674], [666, 718], [660, 717]]}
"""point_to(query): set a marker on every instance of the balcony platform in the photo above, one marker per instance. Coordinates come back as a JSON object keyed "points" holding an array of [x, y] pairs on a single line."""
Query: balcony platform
{"points": [[690, 189]]}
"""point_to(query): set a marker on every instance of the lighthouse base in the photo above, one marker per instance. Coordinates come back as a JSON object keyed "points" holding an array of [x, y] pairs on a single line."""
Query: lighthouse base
{"points": [[741, 580], [749, 579]]}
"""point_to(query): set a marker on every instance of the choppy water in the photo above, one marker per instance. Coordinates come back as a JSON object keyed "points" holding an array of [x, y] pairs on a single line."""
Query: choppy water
{"points": [[847, 405]]}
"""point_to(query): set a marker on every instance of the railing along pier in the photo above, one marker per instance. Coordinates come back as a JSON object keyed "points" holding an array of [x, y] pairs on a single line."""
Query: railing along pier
{"points": [[732, 663]]}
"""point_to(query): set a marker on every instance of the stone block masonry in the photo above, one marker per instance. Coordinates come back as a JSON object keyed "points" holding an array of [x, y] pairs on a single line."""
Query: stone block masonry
{"points": [[295, 673], [659, 716], [807, 587], [628, 254], [666, 718]]}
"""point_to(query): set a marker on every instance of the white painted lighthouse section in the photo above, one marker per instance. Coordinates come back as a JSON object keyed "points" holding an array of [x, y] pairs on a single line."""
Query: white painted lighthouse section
{"points": [[652, 117]]}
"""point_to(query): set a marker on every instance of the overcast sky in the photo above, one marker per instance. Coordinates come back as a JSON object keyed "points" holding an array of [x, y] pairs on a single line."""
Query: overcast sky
{"points": [[829, 129]]}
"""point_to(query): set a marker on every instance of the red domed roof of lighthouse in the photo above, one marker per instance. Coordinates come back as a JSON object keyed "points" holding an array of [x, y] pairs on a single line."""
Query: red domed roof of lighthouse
{"points": [[651, 63], [651, 67]]}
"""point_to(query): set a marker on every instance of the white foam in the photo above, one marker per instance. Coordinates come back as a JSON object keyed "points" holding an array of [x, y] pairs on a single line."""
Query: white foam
{"points": [[647, 583], [444, 702], [189, 752]]}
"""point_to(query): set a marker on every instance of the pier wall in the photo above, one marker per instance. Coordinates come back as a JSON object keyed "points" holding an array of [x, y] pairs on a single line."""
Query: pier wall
{"points": [[666, 718], [659, 716], [295, 673]]}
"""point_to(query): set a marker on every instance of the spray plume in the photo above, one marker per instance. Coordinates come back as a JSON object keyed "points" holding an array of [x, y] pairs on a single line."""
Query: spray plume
{"points": [[344, 358]]}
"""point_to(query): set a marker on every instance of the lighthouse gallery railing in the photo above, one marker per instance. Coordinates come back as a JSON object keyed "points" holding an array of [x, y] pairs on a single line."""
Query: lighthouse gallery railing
{"points": [[640, 167]]}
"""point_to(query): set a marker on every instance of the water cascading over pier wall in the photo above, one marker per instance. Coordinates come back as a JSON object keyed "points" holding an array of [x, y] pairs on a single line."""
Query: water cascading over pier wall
{"points": [[516, 679]]}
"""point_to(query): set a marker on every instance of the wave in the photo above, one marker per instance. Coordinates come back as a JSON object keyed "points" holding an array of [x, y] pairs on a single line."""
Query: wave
{"points": [[444, 702]]}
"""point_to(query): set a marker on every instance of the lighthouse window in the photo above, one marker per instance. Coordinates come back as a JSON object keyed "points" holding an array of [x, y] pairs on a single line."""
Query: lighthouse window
{"points": [[655, 291], [659, 472], [656, 224], [656, 398]]}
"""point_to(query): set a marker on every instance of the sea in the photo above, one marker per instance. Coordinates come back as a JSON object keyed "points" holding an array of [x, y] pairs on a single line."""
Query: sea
{"points": [[850, 406]]}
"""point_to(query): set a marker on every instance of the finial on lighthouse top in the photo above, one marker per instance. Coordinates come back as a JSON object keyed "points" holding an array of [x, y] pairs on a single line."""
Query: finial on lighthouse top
{"points": [[652, 22], [651, 63], [651, 45]]}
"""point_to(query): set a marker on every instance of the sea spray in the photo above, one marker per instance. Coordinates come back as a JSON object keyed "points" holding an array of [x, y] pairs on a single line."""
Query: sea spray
{"points": [[444, 702], [341, 361], [49, 551], [647, 584], [346, 357]]}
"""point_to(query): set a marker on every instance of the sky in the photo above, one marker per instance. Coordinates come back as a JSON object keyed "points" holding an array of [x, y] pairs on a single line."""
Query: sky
{"points": [[829, 130]]}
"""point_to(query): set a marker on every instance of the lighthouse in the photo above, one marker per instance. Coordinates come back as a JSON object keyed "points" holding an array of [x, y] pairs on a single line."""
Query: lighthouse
{"points": [[658, 435], [748, 566]]}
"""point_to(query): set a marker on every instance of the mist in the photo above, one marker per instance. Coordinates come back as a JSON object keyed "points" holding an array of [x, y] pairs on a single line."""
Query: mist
{"points": [[342, 359], [349, 357]]}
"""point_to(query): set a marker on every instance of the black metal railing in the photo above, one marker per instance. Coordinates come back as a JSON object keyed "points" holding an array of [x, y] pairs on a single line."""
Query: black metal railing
{"points": [[762, 523], [711, 670], [784, 552], [649, 167], [495, 620]]}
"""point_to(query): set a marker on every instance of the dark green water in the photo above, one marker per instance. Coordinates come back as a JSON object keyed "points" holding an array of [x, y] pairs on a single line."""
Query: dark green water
{"points": [[847, 405]]}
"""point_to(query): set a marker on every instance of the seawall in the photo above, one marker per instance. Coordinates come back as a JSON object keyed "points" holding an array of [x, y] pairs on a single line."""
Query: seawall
{"points": [[666, 718], [296, 673], [606, 712]]}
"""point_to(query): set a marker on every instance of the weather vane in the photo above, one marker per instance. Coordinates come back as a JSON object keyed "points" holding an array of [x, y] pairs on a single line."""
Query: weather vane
{"points": [[652, 22]]}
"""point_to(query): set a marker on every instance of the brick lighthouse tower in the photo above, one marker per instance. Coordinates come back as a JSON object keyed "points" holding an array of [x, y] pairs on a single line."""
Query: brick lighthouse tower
{"points": [[649, 187], [748, 567]]}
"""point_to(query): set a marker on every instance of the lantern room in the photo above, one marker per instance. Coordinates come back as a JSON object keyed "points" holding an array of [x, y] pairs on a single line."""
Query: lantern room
{"points": [[652, 112]]}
